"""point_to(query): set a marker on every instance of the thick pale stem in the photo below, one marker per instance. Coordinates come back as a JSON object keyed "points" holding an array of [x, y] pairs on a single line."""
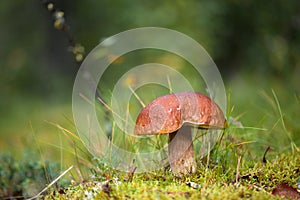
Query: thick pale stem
{"points": [[181, 151]]}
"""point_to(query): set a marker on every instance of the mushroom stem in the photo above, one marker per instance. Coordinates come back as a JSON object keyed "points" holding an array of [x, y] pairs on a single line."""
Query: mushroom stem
{"points": [[181, 151]]}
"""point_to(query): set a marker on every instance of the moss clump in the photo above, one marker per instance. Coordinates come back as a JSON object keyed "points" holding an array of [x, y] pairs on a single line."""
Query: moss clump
{"points": [[256, 182]]}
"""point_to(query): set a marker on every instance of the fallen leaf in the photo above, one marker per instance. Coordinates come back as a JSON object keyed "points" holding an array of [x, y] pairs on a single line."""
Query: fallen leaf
{"points": [[286, 191]]}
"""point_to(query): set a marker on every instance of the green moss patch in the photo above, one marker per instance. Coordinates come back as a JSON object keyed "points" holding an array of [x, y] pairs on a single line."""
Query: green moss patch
{"points": [[254, 182]]}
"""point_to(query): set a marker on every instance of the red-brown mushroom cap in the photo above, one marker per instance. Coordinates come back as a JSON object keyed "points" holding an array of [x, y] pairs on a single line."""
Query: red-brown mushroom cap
{"points": [[168, 113]]}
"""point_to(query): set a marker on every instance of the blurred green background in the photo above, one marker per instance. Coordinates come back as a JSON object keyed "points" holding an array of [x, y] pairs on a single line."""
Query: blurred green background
{"points": [[255, 44]]}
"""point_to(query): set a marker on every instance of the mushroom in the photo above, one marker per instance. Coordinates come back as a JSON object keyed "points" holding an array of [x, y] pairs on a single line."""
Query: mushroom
{"points": [[176, 114]]}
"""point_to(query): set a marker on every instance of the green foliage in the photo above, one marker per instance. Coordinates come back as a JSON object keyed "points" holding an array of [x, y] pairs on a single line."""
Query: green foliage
{"points": [[25, 178], [241, 36]]}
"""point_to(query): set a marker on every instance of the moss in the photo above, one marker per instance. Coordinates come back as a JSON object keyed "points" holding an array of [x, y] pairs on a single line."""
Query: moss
{"points": [[256, 182]]}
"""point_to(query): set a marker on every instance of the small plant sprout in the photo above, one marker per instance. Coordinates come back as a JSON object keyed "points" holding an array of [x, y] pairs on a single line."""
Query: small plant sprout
{"points": [[176, 115]]}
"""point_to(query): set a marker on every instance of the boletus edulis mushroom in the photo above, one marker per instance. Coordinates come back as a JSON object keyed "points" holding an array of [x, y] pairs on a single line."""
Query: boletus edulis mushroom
{"points": [[176, 114]]}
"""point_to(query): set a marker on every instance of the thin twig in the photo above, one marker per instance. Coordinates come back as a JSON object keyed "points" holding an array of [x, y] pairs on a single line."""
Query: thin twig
{"points": [[59, 23], [264, 157], [238, 169], [53, 182]]}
